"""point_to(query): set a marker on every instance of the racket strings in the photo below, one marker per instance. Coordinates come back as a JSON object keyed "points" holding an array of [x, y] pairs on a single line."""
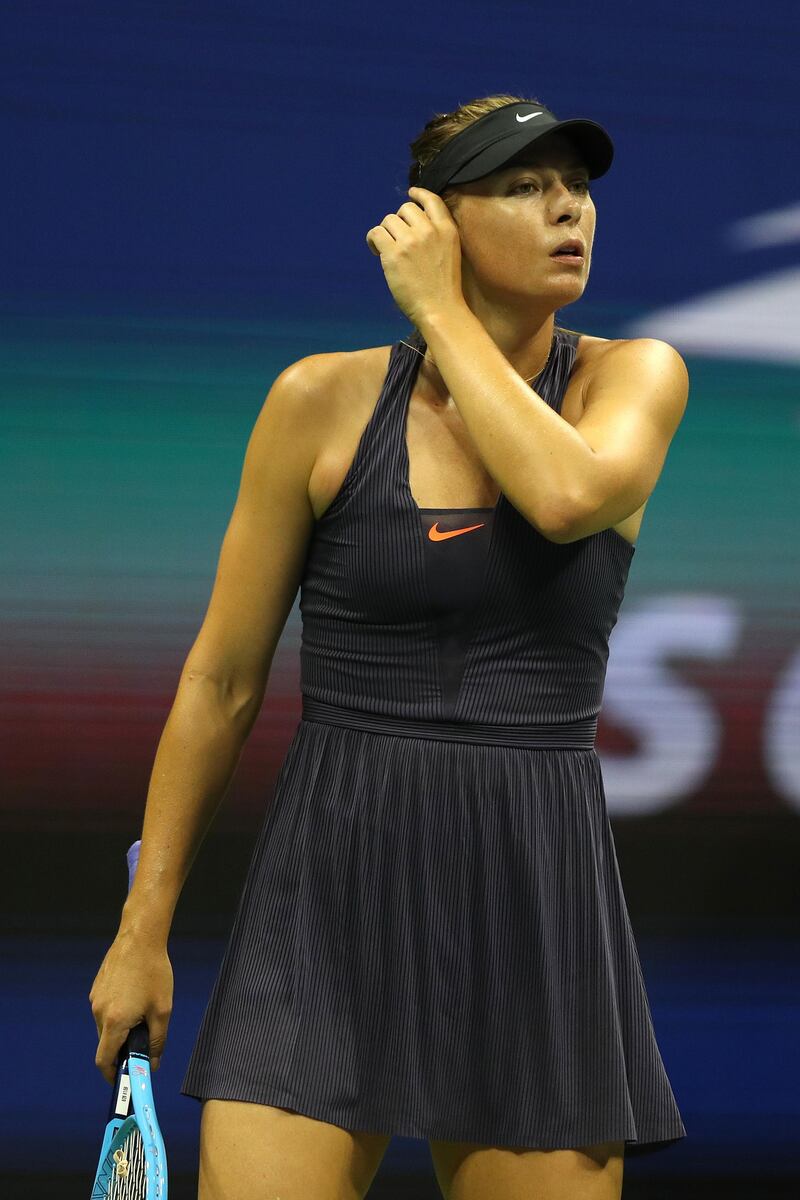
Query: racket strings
{"points": [[128, 1174]]}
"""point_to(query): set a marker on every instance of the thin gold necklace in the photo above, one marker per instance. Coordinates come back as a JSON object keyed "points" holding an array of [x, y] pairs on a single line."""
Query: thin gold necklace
{"points": [[536, 376]]}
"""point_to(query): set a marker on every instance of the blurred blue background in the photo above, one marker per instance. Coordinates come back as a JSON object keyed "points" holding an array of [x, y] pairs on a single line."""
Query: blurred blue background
{"points": [[188, 190]]}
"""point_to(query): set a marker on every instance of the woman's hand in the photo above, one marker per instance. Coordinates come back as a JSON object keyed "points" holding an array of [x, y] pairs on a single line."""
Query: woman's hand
{"points": [[420, 252], [134, 983]]}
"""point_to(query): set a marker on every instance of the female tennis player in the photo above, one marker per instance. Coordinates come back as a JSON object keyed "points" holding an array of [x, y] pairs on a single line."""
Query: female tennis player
{"points": [[432, 938]]}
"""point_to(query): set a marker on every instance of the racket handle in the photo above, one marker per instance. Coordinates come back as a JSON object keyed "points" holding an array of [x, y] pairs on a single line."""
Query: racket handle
{"points": [[138, 1040], [133, 861]]}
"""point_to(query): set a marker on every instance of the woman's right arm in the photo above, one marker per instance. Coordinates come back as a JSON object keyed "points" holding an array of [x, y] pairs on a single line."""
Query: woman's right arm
{"points": [[218, 698]]}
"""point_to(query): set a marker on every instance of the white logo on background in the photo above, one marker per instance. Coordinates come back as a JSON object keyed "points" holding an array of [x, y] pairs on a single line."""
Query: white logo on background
{"points": [[536, 114]]}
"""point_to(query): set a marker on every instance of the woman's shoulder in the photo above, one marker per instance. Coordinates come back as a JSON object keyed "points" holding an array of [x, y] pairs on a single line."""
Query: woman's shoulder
{"points": [[327, 381], [592, 350], [592, 344], [337, 367]]}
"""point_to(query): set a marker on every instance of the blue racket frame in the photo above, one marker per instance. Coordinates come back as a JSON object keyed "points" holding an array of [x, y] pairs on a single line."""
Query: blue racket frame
{"points": [[133, 1089]]}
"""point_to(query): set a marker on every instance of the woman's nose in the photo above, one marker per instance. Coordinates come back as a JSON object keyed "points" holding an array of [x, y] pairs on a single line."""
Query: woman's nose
{"points": [[564, 201]]}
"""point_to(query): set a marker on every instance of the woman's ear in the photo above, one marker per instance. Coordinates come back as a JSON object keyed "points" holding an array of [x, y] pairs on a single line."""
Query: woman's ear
{"points": [[451, 198]]}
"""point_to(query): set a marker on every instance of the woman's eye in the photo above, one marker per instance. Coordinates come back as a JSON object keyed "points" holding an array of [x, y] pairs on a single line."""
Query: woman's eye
{"points": [[582, 184]]}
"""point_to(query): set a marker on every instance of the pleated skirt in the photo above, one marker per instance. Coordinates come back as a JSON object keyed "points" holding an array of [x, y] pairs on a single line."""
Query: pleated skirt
{"points": [[433, 941]]}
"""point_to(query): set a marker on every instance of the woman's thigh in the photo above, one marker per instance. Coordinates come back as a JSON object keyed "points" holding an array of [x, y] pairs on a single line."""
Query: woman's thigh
{"points": [[467, 1171], [258, 1152]]}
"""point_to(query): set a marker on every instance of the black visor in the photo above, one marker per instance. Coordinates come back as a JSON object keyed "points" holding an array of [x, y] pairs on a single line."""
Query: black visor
{"points": [[491, 141]]}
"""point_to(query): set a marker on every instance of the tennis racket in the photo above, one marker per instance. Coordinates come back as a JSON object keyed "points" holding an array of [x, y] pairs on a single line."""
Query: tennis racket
{"points": [[133, 1162]]}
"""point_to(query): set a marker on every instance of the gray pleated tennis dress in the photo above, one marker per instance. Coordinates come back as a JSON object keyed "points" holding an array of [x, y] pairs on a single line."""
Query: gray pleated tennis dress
{"points": [[432, 939]]}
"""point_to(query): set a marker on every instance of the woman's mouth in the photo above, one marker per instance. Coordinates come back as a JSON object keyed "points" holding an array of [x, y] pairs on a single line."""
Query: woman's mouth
{"points": [[571, 260], [569, 252]]}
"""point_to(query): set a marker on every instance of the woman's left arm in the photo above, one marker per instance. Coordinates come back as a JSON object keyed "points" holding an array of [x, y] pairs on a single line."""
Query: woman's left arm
{"points": [[568, 481], [633, 405]]}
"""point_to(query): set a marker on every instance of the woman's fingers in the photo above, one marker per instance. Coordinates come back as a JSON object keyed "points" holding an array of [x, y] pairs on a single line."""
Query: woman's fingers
{"points": [[379, 239], [112, 1035], [157, 1025]]}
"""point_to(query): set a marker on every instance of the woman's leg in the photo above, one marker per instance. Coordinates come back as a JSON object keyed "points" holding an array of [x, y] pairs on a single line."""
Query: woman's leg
{"points": [[257, 1152], [466, 1171]]}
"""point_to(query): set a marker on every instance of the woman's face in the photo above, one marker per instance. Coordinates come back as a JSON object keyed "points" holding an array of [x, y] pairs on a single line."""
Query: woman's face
{"points": [[511, 221]]}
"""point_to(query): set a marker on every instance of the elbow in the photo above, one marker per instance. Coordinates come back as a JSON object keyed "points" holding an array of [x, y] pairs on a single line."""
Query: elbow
{"points": [[560, 534], [562, 522], [236, 697]]}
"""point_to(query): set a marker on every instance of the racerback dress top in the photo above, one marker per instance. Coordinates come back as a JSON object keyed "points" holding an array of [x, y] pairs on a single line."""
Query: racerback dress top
{"points": [[432, 938]]}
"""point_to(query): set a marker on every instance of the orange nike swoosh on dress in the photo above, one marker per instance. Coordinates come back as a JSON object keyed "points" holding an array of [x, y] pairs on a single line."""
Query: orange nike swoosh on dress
{"points": [[437, 535]]}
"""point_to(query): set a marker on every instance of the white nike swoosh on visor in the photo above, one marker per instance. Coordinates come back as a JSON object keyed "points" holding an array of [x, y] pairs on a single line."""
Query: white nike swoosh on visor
{"points": [[536, 114]]}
